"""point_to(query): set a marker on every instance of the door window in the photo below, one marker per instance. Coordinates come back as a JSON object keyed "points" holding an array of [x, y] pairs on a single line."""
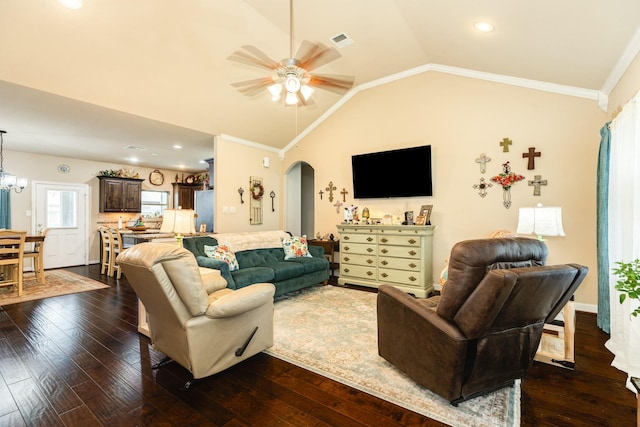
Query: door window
{"points": [[62, 209]]}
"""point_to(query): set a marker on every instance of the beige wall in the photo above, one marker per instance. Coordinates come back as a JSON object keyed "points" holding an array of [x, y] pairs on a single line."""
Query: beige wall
{"points": [[462, 118], [235, 164], [626, 88]]}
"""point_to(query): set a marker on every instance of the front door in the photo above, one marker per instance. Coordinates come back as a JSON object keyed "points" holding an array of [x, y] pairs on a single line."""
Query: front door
{"points": [[62, 208]]}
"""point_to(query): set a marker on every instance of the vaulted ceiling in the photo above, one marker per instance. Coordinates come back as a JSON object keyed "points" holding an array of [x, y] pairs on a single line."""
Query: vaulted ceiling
{"points": [[120, 78]]}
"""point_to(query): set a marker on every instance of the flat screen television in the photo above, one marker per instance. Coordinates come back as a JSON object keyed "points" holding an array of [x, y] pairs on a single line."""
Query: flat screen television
{"points": [[395, 173]]}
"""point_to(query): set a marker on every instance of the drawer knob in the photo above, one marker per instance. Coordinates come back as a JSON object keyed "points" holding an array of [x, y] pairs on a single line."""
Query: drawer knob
{"points": [[413, 265], [346, 270], [412, 253], [384, 262], [345, 237], [384, 251], [369, 239], [347, 259], [346, 248], [369, 273], [385, 275], [413, 279], [412, 241], [384, 240], [369, 250], [370, 261]]}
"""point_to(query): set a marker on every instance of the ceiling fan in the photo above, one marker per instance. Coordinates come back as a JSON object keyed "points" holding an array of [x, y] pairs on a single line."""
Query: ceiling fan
{"points": [[291, 78]]}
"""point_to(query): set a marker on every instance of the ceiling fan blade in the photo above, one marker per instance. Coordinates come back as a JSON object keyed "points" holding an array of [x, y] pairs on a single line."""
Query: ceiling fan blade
{"points": [[306, 51], [323, 55], [255, 57], [333, 83], [253, 87]]}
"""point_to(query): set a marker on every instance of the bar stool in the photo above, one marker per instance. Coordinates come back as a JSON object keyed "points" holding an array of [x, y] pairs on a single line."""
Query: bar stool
{"points": [[105, 237], [116, 248]]}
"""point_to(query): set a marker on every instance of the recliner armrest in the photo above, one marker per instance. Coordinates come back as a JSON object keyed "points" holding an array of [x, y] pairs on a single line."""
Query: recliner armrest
{"points": [[241, 301]]}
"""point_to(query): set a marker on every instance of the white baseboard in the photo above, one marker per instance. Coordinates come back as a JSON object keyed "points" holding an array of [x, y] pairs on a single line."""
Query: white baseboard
{"points": [[588, 308]]}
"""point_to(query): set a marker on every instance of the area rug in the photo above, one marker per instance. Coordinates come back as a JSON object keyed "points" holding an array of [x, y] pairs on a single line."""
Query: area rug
{"points": [[58, 282], [332, 331]]}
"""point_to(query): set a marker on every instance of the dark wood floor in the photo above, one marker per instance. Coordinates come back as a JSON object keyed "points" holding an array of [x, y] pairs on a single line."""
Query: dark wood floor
{"points": [[77, 360]]}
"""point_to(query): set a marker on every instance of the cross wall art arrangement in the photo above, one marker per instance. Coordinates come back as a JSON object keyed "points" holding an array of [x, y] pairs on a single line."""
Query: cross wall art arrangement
{"points": [[507, 177]]}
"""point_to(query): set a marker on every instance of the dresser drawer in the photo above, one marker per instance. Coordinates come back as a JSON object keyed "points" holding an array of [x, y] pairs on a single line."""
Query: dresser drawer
{"points": [[399, 251], [399, 240], [411, 278], [410, 264], [359, 271], [355, 259], [357, 248], [358, 238]]}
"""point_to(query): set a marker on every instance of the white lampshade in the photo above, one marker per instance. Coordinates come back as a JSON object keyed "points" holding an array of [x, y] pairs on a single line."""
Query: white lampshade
{"points": [[179, 221], [541, 220]]}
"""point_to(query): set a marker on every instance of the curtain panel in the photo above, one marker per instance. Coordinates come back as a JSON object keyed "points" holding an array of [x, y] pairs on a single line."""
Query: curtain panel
{"points": [[5, 209], [624, 233], [602, 241]]}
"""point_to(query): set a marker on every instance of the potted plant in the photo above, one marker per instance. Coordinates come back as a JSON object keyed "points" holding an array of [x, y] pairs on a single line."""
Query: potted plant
{"points": [[629, 281]]}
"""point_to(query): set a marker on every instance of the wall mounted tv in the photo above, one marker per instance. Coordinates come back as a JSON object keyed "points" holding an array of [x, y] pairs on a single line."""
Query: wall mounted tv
{"points": [[395, 173]]}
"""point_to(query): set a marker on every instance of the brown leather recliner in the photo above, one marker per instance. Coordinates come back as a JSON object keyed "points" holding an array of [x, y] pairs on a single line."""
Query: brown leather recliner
{"points": [[482, 333], [200, 324]]}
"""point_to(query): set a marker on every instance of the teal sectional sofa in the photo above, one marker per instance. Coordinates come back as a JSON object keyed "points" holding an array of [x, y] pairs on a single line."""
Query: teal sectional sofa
{"points": [[260, 258]]}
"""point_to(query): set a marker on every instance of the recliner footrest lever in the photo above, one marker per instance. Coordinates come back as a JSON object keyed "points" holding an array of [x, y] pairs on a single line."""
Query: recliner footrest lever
{"points": [[240, 351]]}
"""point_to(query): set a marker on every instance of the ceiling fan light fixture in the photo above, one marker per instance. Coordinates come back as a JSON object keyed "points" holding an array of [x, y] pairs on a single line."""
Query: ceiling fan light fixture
{"points": [[291, 98], [292, 83], [306, 92], [275, 90]]}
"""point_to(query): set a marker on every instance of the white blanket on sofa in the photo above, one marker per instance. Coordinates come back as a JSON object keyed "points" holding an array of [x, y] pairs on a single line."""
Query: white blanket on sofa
{"points": [[251, 240]]}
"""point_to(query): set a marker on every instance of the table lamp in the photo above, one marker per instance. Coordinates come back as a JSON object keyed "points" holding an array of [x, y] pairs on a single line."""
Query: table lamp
{"points": [[541, 220], [178, 221]]}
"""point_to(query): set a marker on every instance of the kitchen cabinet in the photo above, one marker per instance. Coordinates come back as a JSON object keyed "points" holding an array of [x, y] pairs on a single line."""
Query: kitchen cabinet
{"points": [[184, 194], [120, 194]]}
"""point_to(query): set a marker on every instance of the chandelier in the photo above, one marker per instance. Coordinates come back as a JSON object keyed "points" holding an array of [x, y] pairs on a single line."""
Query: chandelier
{"points": [[7, 180]]}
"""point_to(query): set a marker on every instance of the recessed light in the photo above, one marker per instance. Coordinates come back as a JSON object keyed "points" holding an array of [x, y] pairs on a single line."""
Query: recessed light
{"points": [[177, 147], [484, 27], [71, 4]]}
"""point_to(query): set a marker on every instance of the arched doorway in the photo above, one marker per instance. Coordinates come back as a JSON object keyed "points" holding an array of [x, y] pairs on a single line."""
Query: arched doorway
{"points": [[300, 201]]}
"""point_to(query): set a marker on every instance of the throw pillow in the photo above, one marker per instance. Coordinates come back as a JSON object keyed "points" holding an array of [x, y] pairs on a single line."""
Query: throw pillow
{"points": [[295, 247], [223, 253]]}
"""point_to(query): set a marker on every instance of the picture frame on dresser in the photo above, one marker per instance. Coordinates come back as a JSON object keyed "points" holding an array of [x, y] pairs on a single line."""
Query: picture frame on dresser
{"points": [[425, 211], [421, 220]]}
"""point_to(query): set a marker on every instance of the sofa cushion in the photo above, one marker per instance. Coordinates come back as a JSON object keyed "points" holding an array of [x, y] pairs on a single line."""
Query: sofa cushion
{"points": [[295, 247], [247, 276], [311, 264], [258, 257], [286, 270]]}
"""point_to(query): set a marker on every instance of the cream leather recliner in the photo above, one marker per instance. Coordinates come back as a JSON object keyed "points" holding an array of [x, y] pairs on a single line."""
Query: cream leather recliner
{"points": [[194, 319]]}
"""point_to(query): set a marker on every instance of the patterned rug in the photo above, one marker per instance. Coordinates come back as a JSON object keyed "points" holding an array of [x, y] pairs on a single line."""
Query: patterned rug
{"points": [[58, 282], [332, 331]]}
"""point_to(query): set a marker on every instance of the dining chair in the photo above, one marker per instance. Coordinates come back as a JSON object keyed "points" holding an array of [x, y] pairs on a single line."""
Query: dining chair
{"points": [[116, 248], [36, 254], [11, 258], [105, 237]]}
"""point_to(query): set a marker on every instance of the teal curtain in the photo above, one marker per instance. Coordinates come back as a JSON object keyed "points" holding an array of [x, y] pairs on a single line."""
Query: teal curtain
{"points": [[5, 209], [602, 244]]}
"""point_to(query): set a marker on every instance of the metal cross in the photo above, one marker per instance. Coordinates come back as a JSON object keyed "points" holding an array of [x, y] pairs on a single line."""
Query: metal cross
{"points": [[344, 193], [321, 193], [505, 143], [536, 183], [337, 205], [531, 155], [330, 189], [482, 186], [483, 159]]}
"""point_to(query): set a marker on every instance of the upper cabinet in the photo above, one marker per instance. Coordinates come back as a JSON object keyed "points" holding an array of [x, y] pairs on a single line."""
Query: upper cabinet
{"points": [[184, 194], [120, 194]]}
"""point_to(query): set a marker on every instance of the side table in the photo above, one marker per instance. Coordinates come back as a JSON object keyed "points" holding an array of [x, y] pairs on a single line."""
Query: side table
{"points": [[636, 383], [330, 248]]}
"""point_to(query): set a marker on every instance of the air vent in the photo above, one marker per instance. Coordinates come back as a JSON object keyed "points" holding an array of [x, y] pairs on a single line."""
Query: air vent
{"points": [[341, 40], [133, 147]]}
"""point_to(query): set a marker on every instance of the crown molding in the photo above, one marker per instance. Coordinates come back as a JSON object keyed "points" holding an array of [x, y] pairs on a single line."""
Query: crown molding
{"points": [[627, 57]]}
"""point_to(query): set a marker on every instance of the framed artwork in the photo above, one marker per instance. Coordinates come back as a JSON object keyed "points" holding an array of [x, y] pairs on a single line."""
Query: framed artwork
{"points": [[425, 211], [421, 220]]}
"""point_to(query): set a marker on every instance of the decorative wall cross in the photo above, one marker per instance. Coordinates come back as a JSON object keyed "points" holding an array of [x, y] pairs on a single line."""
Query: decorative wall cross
{"points": [[531, 155], [536, 183], [505, 143], [338, 204], [344, 193], [321, 193], [482, 187], [331, 188], [483, 159]]}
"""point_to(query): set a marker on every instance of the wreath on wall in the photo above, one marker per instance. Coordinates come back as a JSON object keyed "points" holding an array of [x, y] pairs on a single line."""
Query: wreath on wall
{"points": [[260, 193]]}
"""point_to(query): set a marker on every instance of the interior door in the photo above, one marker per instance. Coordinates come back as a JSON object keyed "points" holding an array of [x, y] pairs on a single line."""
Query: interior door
{"points": [[62, 208]]}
